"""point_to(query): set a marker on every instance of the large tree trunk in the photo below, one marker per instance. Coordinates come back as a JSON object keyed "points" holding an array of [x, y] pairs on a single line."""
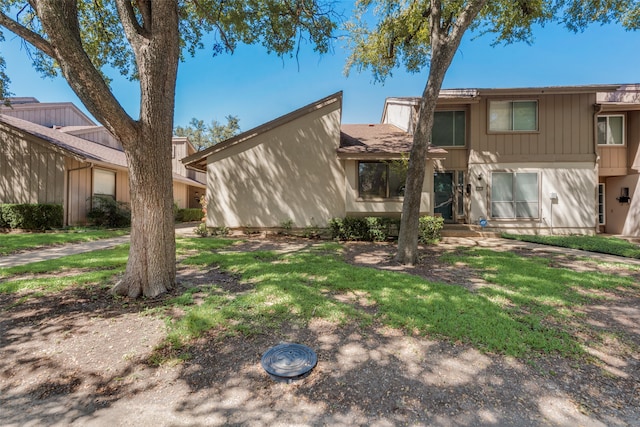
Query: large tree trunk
{"points": [[408, 235], [151, 269], [151, 265], [445, 39], [152, 31]]}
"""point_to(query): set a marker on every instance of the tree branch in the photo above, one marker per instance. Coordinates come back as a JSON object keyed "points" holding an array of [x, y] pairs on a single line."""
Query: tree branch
{"points": [[145, 10], [465, 18], [132, 28], [32, 37], [59, 21]]}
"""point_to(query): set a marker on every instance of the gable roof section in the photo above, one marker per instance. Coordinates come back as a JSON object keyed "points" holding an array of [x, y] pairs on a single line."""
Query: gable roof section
{"points": [[198, 160], [74, 146], [78, 148], [377, 142], [25, 104]]}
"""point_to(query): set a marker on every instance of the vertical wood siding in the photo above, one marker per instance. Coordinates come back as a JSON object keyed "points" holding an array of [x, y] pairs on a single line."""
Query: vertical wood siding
{"points": [[455, 159], [100, 135], [565, 129], [613, 160], [180, 152], [180, 195], [29, 172], [49, 115], [79, 178]]}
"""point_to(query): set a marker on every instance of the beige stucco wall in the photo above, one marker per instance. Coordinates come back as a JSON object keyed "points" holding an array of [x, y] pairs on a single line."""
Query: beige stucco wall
{"points": [[573, 212], [290, 172], [622, 218]]}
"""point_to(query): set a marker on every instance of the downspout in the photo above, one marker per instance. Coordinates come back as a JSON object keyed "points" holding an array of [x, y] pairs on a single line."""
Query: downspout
{"points": [[596, 112], [89, 166]]}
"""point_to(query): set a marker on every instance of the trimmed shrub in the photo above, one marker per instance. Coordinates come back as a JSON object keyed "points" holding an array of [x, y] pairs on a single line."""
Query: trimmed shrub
{"points": [[189, 215], [31, 216], [3, 222], [107, 212], [429, 229], [371, 229]]}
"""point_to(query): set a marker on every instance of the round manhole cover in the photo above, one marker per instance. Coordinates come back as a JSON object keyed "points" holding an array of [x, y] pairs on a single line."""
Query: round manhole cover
{"points": [[289, 362]]}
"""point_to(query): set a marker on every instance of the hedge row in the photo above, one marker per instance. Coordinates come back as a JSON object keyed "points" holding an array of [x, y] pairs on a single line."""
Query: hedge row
{"points": [[31, 216], [379, 229], [189, 215]]}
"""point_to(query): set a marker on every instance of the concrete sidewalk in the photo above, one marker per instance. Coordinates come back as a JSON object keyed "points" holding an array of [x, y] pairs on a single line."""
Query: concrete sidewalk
{"points": [[500, 244], [495, 243], [27, 257]]}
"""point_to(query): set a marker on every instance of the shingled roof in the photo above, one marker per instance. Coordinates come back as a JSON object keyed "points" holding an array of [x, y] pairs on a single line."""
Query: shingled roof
{"points": [[78, 148], [378, 140]]}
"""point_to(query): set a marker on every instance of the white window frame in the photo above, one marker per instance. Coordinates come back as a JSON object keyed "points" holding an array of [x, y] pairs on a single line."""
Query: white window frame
{"points": [[97, 186], [514, 200], [511, 102], [607, 139], [602, 204]]}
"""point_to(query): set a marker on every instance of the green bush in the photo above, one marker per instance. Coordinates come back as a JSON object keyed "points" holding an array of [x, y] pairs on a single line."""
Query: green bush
{"points": [[107, 212], [189, 215], [201, 230], [3, 222], [31, 216], [429, 229], [371, 229]]}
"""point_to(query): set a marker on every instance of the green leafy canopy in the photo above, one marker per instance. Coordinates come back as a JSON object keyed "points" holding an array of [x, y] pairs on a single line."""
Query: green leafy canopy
{"points": [[400, 35], [202, 135], [280, 26]]}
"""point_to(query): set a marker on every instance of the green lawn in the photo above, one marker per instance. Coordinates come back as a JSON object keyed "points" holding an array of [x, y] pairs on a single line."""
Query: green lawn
{"points": [[14, 242], [527, 306], [605, 245]]}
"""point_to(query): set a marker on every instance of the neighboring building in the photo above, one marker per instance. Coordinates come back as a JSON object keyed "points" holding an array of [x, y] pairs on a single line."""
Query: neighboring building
{"points": [[532, 160], [54, 153]]}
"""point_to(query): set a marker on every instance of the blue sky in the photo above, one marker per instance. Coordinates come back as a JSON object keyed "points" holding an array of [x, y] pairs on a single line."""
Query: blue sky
{"points": [[258, 87]]}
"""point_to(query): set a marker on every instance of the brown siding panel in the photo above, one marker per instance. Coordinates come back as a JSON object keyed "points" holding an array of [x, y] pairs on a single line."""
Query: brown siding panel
{"points": [[564, 130], [29, 173]]}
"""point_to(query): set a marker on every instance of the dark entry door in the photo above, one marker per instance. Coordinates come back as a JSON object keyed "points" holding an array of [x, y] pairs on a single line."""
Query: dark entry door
{"points": [[443, 190]]}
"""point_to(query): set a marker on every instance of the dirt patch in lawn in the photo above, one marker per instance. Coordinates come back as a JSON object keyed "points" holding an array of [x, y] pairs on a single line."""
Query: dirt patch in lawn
{"points": [[81, 357]]}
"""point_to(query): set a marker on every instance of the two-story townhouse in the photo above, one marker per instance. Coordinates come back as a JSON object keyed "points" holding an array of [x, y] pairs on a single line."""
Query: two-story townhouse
{"points": [[537, 160], [528, 160], [54, 153]]}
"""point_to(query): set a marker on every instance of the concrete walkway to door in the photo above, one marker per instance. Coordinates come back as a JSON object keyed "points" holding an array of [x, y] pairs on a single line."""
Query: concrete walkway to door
{"points": [[27, 257]]}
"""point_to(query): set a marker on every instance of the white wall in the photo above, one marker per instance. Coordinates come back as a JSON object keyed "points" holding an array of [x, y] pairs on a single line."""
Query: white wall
{"points": [[573, 212]]}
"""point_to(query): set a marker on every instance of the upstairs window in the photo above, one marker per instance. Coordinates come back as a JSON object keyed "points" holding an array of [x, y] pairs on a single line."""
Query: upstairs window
{"points": [[513, 116], [380, 180], [448, 129], [611, 130]]}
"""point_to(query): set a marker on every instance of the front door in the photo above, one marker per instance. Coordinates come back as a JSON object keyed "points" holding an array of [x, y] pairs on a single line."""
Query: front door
{"points": [[443, 189]]}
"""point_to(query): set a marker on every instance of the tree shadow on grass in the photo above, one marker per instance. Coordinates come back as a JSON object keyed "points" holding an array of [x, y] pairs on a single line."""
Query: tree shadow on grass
{"points": [[77, 357]]}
